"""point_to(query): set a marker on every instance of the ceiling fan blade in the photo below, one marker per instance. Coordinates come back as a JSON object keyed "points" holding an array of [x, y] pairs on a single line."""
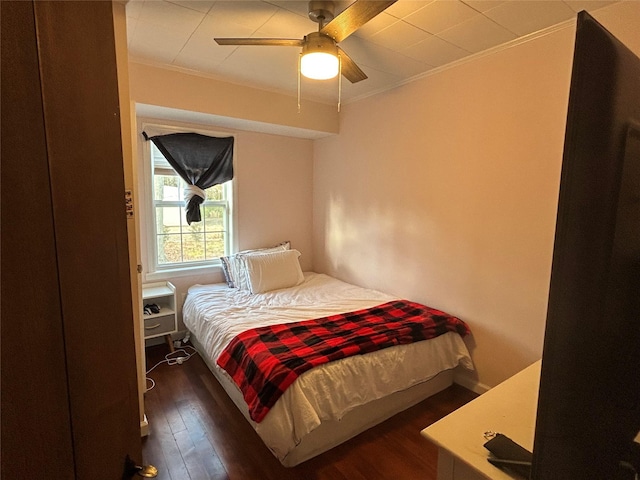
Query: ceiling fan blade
{"points": [[353, 17], [277, 42], [350, 70]]}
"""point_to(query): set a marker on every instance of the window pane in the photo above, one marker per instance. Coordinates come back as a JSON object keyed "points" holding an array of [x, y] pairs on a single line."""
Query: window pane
{"points": [[168, 219], [169, 249], [215, 245], [167, 187], [195, 227], [213, 217], [193, 247], [215, 193]]}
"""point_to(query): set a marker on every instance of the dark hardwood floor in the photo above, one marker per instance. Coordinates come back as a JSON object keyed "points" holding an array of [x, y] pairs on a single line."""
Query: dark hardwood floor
{"points": [[196, 432]]}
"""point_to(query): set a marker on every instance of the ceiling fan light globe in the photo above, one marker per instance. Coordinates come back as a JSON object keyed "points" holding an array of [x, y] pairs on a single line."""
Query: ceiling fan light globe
{"points": [[319, 65]]}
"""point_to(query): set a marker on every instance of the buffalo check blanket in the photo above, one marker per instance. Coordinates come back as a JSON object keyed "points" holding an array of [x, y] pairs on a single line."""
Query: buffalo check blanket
{"points": [[264, 361]]}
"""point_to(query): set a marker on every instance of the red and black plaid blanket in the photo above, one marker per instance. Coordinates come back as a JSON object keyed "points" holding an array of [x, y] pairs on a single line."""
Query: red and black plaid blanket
{"points": [[264, 361]]}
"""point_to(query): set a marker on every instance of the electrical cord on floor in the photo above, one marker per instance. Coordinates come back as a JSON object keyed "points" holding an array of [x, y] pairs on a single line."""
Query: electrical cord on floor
{"points": [[177, 357]]}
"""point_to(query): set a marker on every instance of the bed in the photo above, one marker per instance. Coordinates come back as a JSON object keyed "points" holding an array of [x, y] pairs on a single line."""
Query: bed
{"points": [[331, 403]]}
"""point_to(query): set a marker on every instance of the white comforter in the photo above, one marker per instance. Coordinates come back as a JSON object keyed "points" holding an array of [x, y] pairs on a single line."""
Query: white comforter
{"points": [[215, 314]]}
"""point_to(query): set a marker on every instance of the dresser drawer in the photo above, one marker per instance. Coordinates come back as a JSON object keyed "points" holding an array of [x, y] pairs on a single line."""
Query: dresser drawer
{"points": [[159, 325]]}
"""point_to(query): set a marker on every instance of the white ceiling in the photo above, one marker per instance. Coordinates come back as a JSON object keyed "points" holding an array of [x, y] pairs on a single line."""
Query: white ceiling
{"points": [[407, 40]]}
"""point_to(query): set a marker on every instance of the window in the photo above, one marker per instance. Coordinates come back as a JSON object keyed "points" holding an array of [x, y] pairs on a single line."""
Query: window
{"points": [[174, 244]]}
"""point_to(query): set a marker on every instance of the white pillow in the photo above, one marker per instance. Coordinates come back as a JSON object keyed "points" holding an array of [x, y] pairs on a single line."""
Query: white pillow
{"points": [[272, 271], [233, 266]]}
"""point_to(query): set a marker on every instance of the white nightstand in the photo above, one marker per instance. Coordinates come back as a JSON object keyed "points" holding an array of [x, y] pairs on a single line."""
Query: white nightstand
{"points": [[509, 408], [165, 322]]}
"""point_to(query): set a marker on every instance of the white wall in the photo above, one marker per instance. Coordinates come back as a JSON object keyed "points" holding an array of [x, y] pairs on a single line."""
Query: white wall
{"points": [[152, 85], [445, 190]]}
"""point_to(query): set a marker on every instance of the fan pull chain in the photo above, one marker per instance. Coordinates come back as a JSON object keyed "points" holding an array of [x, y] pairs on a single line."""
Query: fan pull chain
{"points": [[339, 81], [299, 67]]}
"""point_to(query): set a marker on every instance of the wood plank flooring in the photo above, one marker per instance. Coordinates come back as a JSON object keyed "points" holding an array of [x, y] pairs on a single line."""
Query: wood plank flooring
{"points": [[196, 432]]}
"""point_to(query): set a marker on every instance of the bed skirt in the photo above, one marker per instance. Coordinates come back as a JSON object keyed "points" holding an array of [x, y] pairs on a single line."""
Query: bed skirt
{"points": [[334, 432]]}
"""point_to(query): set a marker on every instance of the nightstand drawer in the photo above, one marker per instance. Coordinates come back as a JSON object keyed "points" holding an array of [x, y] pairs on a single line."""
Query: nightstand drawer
{"points": [[159, 325]]}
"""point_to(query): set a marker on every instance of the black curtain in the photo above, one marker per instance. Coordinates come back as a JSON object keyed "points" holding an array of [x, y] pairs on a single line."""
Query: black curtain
{"points": [[202, 161]]}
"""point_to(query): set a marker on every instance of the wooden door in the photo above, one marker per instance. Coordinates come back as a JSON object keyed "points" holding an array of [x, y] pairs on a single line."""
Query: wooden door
{"points": [[66, 291], [36, 427]]}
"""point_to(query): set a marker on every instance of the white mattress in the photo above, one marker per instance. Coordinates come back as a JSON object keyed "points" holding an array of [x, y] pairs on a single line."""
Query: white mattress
{"points": [[215, 314]]}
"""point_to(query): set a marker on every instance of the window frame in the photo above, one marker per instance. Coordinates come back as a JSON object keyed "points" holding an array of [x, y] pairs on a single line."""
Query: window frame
{"points": [[155, 271]]}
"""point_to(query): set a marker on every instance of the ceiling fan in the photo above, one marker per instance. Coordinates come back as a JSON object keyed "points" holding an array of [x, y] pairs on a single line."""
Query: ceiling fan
{"points": [[321, 57]]}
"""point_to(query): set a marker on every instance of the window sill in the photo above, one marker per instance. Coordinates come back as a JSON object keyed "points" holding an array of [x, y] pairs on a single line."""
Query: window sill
{"points": [[169, 273]]}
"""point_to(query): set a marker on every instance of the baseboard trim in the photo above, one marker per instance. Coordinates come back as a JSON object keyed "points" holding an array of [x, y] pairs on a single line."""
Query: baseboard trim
{"points": [[469, 383]]}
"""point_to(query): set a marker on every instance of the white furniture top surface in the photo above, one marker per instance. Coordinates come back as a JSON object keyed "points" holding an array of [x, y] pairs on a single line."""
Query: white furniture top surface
{"points": [[156, 290], [509, 408]]}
